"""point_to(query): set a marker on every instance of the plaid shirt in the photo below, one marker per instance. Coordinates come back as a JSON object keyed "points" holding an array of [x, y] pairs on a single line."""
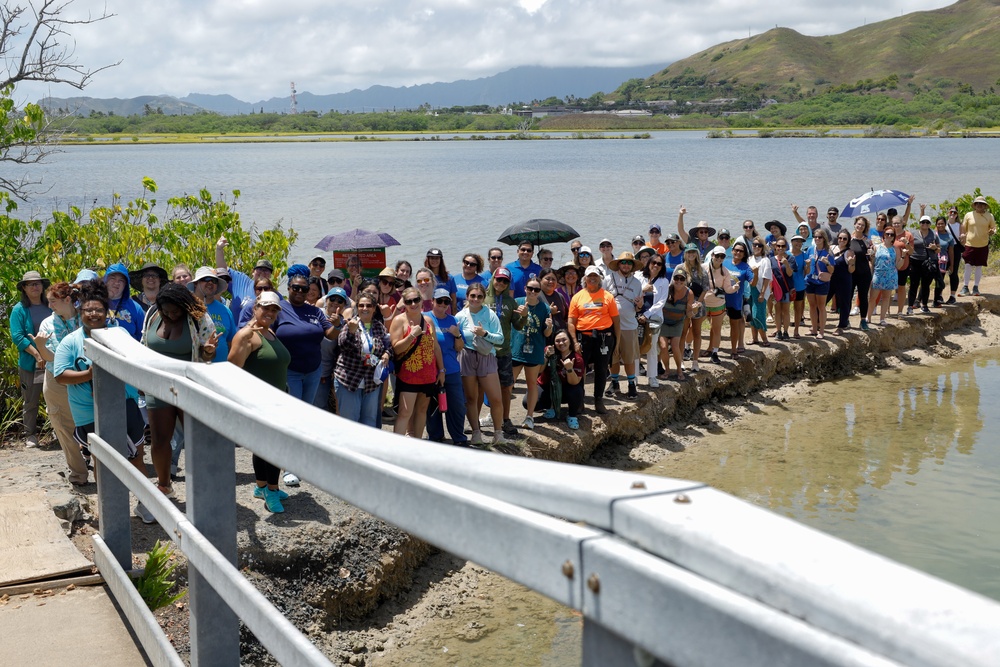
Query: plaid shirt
{"points": [[351, 370]]}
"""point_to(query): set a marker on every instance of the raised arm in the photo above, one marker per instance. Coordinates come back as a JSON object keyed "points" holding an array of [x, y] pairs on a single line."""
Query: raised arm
{"points": [[680, 225]]}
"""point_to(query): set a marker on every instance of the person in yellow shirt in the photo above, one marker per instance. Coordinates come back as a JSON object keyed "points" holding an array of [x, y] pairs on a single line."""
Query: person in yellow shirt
{"points": [[978, 226], [593, 321]]}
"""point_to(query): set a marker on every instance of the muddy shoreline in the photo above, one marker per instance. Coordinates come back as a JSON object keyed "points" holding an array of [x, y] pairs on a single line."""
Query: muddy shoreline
{"points": [[368, 594]]}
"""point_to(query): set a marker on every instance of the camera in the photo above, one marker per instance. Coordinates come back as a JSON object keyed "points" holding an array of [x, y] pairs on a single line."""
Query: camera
{"points": [[719, 292]]}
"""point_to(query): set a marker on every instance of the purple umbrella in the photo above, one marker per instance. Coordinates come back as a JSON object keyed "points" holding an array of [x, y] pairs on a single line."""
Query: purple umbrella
{"points": [[356, 239]]}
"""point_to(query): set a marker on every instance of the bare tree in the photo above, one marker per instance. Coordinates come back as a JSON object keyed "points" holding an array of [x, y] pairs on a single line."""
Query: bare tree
{"points": [[36, 45]]}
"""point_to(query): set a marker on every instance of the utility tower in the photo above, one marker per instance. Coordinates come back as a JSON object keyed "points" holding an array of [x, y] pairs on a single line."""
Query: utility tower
{"points": [[295, 102]]}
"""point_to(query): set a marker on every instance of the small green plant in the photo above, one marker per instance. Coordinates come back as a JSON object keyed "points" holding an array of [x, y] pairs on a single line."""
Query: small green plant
{"points": [[155, 582]]}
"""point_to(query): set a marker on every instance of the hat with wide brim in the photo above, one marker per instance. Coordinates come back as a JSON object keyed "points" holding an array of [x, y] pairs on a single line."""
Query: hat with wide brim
{"points": [[774, 223], [644, 250], [206, 272], [624, 257], [135, 277], [980, 200], [32, 276], [700, 226], [389, 273], [561, 271]]}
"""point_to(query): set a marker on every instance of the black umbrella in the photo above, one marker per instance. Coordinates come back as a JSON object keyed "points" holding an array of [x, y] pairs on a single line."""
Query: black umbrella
{"points": [[539, 231]]}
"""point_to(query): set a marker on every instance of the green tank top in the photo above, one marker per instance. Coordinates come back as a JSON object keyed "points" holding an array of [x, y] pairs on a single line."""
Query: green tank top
{"points": [[269, 362], [178, 348]]}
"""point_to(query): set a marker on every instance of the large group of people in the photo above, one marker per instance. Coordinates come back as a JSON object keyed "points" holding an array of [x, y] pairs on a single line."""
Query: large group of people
{"points": [[428, 349]]}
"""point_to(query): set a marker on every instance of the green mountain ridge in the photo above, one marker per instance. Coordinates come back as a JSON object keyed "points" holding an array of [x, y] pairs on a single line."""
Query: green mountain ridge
{"points": [[942, 48]]}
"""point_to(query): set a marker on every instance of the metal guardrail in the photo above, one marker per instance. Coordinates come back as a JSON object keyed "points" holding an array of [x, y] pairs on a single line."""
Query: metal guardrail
{"points": [[664, 571]]}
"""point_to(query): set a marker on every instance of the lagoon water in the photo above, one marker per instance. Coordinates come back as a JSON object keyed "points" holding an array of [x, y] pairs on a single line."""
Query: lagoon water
{"points": [[459, 195]]}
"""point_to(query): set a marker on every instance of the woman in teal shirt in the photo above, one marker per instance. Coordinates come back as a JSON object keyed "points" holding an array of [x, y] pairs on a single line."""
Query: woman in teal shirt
{"points": [[25, 319]]}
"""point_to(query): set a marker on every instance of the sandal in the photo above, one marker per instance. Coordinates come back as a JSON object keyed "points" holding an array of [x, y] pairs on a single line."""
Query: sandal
{"points": [[765, 344], [168, 491], [820, 335]]}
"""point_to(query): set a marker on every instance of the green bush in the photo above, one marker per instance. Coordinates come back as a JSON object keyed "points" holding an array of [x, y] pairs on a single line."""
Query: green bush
{"points": [[130, 232], [155, 582]]}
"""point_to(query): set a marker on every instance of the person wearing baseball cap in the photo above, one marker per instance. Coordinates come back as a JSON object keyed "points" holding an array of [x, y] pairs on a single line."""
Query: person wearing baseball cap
{"points": [[593, 321], [317, 266], [449, 336], [655, 241], [607, 250], [499, 300]]}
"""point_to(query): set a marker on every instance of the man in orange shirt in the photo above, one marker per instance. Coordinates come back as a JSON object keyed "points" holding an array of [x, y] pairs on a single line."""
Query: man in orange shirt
{"points": [[593, 319]]}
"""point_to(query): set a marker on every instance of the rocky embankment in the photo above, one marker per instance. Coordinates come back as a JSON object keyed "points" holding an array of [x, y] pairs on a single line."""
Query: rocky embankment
{"points": [[327, 565]]}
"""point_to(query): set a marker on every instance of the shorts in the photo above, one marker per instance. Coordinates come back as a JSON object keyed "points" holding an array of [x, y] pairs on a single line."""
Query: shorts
{"points": [[976, 256], [628, 344], [715, 311], [784, 298], [800, 295], [431, 389], [477, 365], [505, 370], [819, 289], [135, 427], [901, 276], [734, 313]]}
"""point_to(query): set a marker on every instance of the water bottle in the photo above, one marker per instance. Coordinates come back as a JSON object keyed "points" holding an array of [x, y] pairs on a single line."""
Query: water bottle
{"points": [[942, 262], [442, 400]]}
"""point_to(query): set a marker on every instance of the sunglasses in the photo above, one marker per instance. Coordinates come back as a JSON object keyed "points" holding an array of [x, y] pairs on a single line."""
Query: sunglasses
{"points": [[533, 289], [738, 249], [298, 288], [412, 302], [780, 246], [758, 245], [261, 289], [703, 231], [473, 297], [387, 281], [680, 279], [145, 275], [365, 306], [423, 281], [606, 245], [628, 262], [443, 301], [724, 237], [654, 231], [336, 281], [501, 279], [467, 263], [890, 236], [544, 259], [336, 300], [318, 262], [496, 258], [524, 249], [585, 254], [656, 264], [747, 226]]}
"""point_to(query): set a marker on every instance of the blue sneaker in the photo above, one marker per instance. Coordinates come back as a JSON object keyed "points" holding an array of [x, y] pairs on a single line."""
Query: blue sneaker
{"points": [[573, 422], [550, 414], [272, 501], [258, 492]]}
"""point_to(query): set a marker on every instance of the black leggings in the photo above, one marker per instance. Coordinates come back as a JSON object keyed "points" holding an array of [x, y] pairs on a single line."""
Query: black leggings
{"points": [[590, 350], [861, 280], [920, 279], [262, 470], [841, 289], [572, 394], [953, 276]]}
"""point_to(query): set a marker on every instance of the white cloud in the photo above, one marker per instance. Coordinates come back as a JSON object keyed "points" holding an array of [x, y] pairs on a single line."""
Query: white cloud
{"points": [[252, 49]]}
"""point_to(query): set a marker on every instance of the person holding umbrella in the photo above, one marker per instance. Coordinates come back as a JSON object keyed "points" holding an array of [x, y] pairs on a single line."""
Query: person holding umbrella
{"points": [[522, 269], [978, 227], [593, 321]]}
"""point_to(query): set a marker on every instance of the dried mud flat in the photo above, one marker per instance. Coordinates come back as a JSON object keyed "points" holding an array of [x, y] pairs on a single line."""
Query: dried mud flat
{"points": [[368, 594]]}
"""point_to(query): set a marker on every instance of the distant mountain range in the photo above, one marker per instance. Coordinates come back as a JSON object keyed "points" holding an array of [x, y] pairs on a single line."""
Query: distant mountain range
{"points": [[521, 84]]}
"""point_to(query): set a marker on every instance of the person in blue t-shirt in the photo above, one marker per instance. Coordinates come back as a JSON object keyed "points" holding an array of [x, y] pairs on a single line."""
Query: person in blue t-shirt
{"points": [[799, 281], [523, 269], [206, 285], [739, 269], [472, 265], [449, 337], [434, 262], [674, 256]]}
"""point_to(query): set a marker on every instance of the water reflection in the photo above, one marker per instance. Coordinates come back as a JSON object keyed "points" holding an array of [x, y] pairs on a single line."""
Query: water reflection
{"points": [[901, 463]]}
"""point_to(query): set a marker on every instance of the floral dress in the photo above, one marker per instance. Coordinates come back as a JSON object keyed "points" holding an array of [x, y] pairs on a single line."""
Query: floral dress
{"points": [[885, 268]]}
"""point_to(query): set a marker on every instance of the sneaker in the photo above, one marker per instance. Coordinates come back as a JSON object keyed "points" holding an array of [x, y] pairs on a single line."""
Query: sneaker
{"points": [[951, 300], [291, 479], [486, 422], [477, 438], [694, 367], [144, 514], [653, 383], [272, 502], [770, 319], [632, 391], [688, 354], [965, 291], [509, 429], [31, 440], [573, 422], [938, 303], [614, 387], [549, 414], [498, 438], [258, 492], [528, 423], [925, 310], [855, 311], [909, 310], [864, 325], [975, 290]]}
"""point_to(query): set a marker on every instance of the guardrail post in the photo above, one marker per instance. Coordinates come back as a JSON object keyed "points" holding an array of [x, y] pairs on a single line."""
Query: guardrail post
{"points": [[112, 494], [211, 507], [602, 647]]}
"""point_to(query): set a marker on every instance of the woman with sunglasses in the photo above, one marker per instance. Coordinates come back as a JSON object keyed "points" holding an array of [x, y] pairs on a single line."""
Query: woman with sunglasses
{"points": [[782, 284], [503, 305], [740, 270], [472, 265], [420, 370], [677, 307], [819, 266], [760, 289], [886, 264], [362, 343], [584, 259], [334, 306], [425, 286], [861, 278], [388, 297], [674, 256], [527, 345], [720, 285], [449, 338], [435, 262], [258, 351], [840, 282], [481, 334], [569, 280], [654, 284], [697, 282]]}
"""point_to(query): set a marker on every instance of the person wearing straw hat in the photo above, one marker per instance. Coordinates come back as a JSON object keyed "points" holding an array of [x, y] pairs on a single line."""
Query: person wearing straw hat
{"points": [[775, 230], [569, 280], [700, 235], [207, 285], [147, 282], [25, 318], [627, 290], [978, 227]]}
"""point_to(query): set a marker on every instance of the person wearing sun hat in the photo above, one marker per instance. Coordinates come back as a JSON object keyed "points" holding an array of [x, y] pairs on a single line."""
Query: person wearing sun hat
{"points": [[978, 227], [121, 306], [25, 318], [775, 230], [627, 291], [208, 285], [700, 235], [147, 282]]}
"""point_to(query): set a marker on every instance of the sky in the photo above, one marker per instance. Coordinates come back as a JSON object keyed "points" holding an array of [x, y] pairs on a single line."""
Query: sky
{"points": [[254, 49]]}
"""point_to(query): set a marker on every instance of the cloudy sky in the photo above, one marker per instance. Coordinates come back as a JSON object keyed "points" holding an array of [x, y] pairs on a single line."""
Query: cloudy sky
{"points": [[252, 49]]}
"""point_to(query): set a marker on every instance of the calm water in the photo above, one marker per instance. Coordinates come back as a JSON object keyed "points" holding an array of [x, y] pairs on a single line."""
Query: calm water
{"points": [[460, 195]]}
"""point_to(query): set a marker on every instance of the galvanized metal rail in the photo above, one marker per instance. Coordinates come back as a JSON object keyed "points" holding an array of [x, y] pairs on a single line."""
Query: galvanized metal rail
{"points": [[664, 571]]}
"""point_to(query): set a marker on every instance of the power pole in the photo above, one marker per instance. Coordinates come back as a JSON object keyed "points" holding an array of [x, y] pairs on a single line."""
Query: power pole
{"points": [[295, 102]]}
